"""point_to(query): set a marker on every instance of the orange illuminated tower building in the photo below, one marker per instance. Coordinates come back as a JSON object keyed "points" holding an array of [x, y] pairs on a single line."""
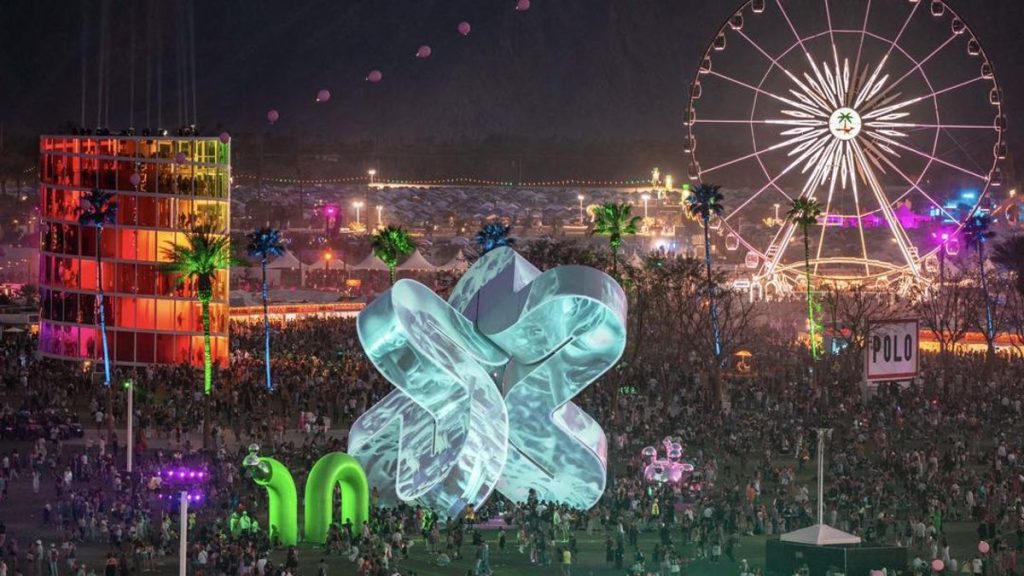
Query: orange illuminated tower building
{"points": [[163, 186]]}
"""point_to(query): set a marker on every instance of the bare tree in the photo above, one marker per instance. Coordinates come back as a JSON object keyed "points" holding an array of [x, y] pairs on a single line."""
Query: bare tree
{"points": [[949, 311], [848, 314]]}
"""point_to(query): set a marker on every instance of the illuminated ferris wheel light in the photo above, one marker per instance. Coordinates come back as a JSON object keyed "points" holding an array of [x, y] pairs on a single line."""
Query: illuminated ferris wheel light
{"points": [[851, 115]]}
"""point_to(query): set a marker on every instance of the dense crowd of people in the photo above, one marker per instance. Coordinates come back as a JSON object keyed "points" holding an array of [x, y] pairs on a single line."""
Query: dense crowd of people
{"points": [[904, 464]]}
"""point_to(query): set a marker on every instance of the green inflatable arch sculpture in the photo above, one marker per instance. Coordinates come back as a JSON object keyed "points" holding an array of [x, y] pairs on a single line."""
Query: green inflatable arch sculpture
{"points": [[284, 503], [341, 469], [336, 468]]}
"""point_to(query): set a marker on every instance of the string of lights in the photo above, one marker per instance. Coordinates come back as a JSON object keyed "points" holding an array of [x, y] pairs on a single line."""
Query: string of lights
{"points": [[449, 181]]}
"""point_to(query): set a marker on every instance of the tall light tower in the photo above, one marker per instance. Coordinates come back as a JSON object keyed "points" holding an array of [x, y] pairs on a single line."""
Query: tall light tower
{"points": [[358, 205], [380, 219], [372, 173], [580, 197]]}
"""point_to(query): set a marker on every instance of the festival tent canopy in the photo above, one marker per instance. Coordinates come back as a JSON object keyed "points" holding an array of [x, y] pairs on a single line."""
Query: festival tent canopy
{"points": [[456, 263], [416, 262], [321, 264], [820, 535], [286, 261], [371, 262]]}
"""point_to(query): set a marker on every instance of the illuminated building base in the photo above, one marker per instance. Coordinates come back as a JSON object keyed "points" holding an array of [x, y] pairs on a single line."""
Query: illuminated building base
{"points": [[484, 386]]}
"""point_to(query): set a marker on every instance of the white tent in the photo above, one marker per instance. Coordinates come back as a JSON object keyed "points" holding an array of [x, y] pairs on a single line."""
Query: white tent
{"points": [[286, 261], [458, 263], [416, 262], [321, 264], [820, 535], [371, 262]]}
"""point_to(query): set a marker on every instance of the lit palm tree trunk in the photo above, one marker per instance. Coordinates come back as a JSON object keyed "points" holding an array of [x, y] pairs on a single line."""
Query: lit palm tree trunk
{"points": [[391, 274], [99, 303], [615, 256], [205, 294], [811, 324], [989, 329], [711, 293], [266, 322]]}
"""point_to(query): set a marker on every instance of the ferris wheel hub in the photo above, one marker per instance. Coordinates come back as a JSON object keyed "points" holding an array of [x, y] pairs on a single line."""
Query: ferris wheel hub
{"points": [[845, 123]]}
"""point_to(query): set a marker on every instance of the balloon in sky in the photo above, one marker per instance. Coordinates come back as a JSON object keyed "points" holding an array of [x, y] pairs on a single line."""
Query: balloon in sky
{"points": [[180, 158], [464, 28], [374, 76], [424, 52], [523, 5], [323, 95], [225, 137], [135, 179], [272, 116]]}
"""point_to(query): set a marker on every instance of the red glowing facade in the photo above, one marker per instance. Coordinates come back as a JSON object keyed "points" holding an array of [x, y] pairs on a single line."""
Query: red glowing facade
{"points": [[162, 186]]}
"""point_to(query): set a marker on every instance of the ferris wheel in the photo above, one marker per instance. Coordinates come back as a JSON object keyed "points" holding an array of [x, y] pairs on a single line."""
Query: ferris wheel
{"points": [[886, 112]]}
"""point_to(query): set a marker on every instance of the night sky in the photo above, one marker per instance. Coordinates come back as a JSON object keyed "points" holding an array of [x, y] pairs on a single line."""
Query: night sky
{"points": [[586, 70]]}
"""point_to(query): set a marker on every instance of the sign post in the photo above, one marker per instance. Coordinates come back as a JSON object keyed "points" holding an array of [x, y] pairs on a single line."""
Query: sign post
{"points": [[891, 351]]}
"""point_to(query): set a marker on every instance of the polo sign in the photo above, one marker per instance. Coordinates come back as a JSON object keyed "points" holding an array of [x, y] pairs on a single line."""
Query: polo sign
{"points": [[891, 351]]}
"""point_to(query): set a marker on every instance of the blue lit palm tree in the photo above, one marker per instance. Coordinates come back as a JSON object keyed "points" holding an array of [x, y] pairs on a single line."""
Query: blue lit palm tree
{"points": [[265, 244], [493, 235], [976, 233], [704, 202], [102, 210]]}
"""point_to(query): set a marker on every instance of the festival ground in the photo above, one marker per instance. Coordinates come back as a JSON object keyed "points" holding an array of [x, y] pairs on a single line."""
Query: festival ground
{"points": [[24, 518]]}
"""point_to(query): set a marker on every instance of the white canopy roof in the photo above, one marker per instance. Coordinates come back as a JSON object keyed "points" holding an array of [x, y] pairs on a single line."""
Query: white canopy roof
{"points": [[321, 264], [371, 262], [416, 262], [456, 263], [820, 535], [286, 261]]}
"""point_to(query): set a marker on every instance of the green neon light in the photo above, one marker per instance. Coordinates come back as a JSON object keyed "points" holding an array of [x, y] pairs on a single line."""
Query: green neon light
{"points": [[334, 468], [344, 470]]}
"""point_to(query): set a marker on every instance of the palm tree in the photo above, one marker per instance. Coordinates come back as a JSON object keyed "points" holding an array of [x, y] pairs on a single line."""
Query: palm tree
{"points": [[391, 244], [101, 211], [615, 221], [198, 259], [704, 202], [804, 212], [976, 234], [1010, 255], [266, 245], [493, 235]]}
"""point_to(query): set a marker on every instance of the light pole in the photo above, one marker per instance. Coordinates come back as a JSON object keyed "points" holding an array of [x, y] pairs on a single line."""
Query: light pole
{"points": [[380, 219], [942, 260], [372, 173], [580, 198], [327, 261], [776, 206], [358, 205], [130, 387], [822, 432], [668, 183], [183, 532], [645, 198], [186, 485], [655, 177]]}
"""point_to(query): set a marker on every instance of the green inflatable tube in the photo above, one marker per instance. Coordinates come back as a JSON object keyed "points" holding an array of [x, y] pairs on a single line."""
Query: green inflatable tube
{"points": [[284, 501], [335, 468]]}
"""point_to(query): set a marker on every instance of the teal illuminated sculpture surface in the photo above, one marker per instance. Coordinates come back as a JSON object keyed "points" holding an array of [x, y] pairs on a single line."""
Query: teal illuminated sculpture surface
{"points": [[484, 386], [332, 469]]}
